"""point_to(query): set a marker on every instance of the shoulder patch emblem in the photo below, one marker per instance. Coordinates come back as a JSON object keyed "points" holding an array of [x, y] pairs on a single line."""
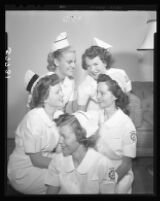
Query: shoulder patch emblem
{"points": [[133, 136]]}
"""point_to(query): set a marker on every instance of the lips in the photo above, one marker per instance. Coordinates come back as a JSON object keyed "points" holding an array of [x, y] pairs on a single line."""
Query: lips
{"points": [[62, 146], [95, 74], [71, 69]]}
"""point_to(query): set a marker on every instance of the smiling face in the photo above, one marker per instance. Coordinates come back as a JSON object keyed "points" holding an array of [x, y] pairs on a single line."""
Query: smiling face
{"points": [[68, 141], [66, 63], [55, 96], [95, 66], [105, 97]]}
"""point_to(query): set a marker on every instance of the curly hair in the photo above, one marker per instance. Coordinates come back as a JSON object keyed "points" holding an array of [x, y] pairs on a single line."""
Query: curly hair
{"points": [[122, 100], [80, 132], [51, 66], [95, 51], [41, 90]]}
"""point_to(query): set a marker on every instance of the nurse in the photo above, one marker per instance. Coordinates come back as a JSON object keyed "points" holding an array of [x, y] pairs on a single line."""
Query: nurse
{"points": [[36, 136], [62, 61], [97, 59], [79, 169], [117, 132]]}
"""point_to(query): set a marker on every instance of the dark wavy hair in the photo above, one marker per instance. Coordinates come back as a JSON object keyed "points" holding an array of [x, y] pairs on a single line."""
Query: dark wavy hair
{"points": [[95, 51], [51, 66], [122, 100], [41, 90], [80, 132]]}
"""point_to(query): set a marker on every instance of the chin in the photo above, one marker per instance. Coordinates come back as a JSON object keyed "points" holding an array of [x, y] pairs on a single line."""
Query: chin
{"points": [[94, 77], [102, 106], [70, 75], [65, 154]]}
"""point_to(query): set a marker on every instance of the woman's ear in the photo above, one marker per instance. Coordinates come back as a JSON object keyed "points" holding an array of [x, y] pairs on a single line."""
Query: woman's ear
{"points": [[56, 61]]}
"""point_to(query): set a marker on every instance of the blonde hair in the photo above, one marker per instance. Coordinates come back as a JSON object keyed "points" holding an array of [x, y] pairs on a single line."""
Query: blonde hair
{"points": [[56, 55]]}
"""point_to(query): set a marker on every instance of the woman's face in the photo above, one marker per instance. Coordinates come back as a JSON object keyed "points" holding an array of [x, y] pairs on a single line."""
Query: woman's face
{"points": [[67, 63], [105, 96], [95, 66], [55, 97], [68, 140]]}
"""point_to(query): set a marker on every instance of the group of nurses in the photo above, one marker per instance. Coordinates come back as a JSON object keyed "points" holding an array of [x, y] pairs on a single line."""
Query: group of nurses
{"points": [[97, 59], [61, 61], [117, 133], [99, 92]]}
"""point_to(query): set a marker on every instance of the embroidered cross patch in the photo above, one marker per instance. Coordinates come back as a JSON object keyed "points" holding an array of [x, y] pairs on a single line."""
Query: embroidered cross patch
{"points": [[111, 174], [133, 136]]}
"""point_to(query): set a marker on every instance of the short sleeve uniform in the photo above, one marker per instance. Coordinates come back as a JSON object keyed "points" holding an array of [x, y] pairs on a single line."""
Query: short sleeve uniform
{"points": [[35, 133], [94, 175], [117, 139]]}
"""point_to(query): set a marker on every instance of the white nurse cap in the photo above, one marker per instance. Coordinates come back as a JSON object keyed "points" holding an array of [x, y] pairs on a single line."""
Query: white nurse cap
{"points": [[60, 42], [120, 79], [102, 44], [29, 80], [86, 122]]}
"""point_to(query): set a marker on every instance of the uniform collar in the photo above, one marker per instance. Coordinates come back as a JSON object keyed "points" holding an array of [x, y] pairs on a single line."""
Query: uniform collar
{"points": [[87, 162], [113, 120], [67, 81], [85, 165], [65, 164], [45, 117]]}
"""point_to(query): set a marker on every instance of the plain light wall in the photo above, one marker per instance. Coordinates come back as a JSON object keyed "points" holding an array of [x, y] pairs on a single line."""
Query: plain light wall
{"points": [[31, 33]]}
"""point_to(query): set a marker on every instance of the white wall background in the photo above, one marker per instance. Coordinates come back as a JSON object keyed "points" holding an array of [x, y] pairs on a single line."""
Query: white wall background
{"points": [[31, 33]]}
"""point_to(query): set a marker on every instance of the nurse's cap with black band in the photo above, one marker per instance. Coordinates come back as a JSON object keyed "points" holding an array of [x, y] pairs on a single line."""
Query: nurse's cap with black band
{"points": [[29, 80], [60, 42], [102, 44]]}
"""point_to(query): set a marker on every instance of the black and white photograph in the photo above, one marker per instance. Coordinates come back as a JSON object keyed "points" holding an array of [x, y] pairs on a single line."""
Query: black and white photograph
{"points": [[80, 101]]}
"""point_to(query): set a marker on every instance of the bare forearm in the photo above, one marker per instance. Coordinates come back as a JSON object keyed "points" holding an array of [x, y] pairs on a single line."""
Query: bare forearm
{"points": [[123, 169], [39, 161], [82, 107], [71, 107]]}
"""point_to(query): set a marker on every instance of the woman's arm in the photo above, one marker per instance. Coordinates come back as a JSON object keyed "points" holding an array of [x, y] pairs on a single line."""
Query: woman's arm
{"points": [[83, 97], [53, 189], [38, 160], [124, 167], [71, 107], [82, 107]]}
